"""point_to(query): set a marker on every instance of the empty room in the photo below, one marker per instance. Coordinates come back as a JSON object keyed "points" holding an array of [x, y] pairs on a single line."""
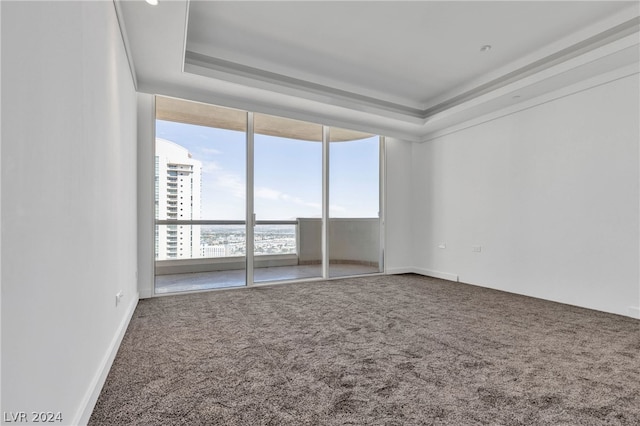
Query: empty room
{"points": [[320, 213]]}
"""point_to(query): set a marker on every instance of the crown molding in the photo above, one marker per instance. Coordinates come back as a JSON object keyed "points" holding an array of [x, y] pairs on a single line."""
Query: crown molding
{"points": [[219, 68]]}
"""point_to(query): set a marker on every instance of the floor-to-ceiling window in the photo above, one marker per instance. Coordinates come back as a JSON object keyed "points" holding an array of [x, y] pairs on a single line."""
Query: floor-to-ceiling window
{"points": [[354, 203], [200, 196], [287, 199], [244, 198]]}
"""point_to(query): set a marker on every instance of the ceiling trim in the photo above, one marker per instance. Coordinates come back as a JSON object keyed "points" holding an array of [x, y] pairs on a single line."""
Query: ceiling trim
{"points": [[185, 34], [606, 37], [125, 42], [632, 70], [239, 70], [209, 66]]}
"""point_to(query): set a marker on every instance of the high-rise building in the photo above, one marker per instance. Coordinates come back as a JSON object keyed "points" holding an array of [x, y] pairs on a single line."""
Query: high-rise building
{"points": [[178, 191]]}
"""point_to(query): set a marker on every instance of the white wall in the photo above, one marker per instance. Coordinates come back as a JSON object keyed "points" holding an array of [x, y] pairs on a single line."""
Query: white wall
{"points": [[146, 193], [399, 196], [551, 194], [69, 203], [0, 207]]}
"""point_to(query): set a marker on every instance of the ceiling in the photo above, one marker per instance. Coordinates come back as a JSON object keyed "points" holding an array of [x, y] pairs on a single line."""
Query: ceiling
{"points": [[406, 69]]}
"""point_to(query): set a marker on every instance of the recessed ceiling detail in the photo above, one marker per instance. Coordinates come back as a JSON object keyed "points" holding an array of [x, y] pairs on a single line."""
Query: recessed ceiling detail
{"points": [[234, 72], [404, 69], [239, 73]]}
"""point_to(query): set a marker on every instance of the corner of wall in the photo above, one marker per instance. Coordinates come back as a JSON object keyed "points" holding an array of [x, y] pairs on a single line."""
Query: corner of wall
{"points": [[398, 200], [0, 186], [400, 270], [125, 42], [145, 187], [436, 274]]}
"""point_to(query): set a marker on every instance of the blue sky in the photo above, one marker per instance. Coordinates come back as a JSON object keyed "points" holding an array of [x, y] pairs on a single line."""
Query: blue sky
{"points": [[288, 174]]}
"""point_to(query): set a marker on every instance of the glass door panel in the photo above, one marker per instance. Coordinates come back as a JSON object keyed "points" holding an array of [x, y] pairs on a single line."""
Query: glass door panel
{"points": [[354, 203], [287, 199], [200, 196]]}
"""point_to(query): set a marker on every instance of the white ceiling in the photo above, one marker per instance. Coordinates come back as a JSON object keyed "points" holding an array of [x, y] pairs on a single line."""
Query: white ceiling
{"points": [[404, 69]]}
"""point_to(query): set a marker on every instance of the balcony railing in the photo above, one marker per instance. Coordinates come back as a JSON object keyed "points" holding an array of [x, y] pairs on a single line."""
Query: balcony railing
{"points": [[351, 240]]}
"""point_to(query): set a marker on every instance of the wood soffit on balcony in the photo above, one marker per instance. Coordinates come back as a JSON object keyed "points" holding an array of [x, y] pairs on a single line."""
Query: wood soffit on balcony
{"points": [[178, 110]]}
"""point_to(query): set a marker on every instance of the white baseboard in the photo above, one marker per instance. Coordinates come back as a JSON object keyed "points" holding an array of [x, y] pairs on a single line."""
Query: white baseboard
{"points": [[634, 312], [421, 271], [435, 274], [401, 270], [92, 394]]}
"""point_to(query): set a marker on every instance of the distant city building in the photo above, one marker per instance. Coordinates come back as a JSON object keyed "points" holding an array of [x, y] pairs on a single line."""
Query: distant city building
{"points": [[178, 195], [214, 251]]}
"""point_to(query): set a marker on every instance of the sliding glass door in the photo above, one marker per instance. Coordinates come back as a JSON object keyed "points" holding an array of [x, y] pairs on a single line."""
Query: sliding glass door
{"points": [[287, 199], [200, 187], [354, 203], [246, 198]]}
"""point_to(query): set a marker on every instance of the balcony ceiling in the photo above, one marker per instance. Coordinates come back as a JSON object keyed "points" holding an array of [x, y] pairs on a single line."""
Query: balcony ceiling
{"points": [[405, 69], [181, 111]]}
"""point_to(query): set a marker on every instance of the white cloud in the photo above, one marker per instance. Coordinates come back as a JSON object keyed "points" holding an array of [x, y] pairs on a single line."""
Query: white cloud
{"points": [[274, 194], [210, 167], [232, 183], [269, 194], [236, 186]]}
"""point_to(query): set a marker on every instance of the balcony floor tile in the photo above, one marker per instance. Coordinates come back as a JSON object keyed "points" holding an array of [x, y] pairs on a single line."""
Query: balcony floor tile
{"points": [[236, 278]]}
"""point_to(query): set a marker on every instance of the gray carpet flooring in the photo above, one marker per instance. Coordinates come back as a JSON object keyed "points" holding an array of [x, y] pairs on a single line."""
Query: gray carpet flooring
{"points": [[383, 350]]}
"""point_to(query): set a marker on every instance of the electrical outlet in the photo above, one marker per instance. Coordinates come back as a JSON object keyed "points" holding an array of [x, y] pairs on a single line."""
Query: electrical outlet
{"points": [[119, 297], [476, 249]]}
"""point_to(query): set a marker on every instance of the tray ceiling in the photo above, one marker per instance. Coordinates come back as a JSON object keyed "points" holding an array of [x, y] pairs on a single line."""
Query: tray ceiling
{"points": [[398, 68]]}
